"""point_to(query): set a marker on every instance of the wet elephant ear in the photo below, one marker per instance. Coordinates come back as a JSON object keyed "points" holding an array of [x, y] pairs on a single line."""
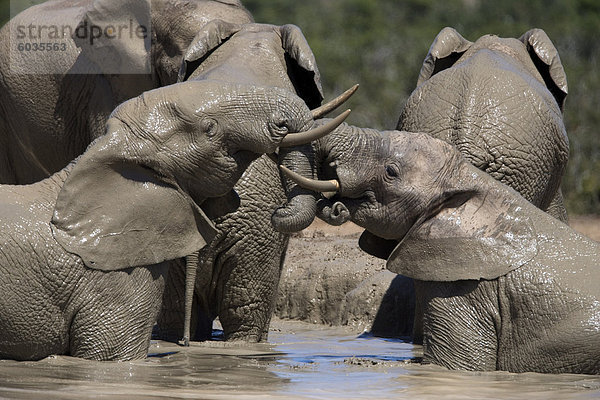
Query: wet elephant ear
{"points": [[477, 240], [447, 47], [211, 36], [105, 38], [546, 59], [116, 214]]}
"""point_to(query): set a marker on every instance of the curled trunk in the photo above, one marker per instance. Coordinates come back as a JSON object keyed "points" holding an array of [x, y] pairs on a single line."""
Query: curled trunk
{"points": [[324, 159]]}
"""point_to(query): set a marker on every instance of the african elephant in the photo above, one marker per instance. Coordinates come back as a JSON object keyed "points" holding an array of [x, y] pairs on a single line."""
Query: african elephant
{"points": [[500, 102], [505, 285], [49, 118], [240, 270], [85, 252], [190, 40]]}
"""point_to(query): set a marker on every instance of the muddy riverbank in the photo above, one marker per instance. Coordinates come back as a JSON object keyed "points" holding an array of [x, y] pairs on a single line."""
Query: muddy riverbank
{"points": [[327, 279]]}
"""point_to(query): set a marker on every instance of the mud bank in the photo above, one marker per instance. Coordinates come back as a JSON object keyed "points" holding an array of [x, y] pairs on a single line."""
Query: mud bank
{"points": [[327, 279]]}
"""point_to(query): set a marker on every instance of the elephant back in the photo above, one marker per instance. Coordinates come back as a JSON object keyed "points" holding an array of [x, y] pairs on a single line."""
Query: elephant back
{"points": [[500, 116]]}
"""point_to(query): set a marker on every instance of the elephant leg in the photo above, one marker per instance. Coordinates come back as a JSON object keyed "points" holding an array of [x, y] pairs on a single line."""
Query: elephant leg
{"points": [[557, 209], [116, 313], [248, 267], [460, 322], [248, 289]]}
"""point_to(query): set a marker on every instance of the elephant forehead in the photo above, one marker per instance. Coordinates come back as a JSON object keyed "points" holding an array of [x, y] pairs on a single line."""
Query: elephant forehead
{"points": [[248, 57]]}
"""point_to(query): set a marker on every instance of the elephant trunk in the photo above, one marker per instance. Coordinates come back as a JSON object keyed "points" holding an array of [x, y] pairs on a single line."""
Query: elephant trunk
{"points": [[301, 207], [341, 148]]}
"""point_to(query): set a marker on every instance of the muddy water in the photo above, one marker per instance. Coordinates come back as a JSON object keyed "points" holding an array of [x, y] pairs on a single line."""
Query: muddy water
{"points": [[300, 361]]}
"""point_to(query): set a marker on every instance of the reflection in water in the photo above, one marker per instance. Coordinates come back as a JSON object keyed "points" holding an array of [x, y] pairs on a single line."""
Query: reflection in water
{"points": [[301, 361]]}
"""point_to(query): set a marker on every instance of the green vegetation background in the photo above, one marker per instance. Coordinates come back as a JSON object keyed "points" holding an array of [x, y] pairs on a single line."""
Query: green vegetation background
{"points": [[381, 44]]}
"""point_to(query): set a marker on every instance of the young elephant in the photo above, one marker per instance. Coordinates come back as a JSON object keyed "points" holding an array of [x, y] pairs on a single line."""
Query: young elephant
{"points": [[505, 285], [83, 252]]}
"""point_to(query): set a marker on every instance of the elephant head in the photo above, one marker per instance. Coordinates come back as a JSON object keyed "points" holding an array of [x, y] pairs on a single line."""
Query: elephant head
{"points": [[499, 101], [161, 32], [257, 54], [419, 199], [271, 56], [132, 198]]}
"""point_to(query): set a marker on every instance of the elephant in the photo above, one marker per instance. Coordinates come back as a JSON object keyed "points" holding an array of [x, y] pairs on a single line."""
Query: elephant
{"points": [[53, 104], [505, 285], [191, 40], [500, 102], [241, 267], [85, 252]]}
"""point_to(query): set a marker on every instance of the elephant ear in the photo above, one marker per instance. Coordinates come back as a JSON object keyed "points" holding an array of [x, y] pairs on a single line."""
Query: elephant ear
{"points": [[546, 59], [115, 213], [303, 71], [480, 239], [447, 47], [209, 38]]}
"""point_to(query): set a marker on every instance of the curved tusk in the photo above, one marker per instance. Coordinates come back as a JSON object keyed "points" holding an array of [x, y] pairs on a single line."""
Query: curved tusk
{"points": [[312, 184], [296, 139], [333, 104]]}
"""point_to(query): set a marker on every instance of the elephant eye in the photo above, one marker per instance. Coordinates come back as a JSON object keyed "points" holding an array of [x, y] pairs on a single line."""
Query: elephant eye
{"points": [[278, 124], [210, 126], [279, 128], [391, 171]]}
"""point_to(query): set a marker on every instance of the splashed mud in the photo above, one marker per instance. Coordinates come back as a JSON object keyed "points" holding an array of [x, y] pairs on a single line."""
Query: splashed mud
{"points": [[300, 361]]}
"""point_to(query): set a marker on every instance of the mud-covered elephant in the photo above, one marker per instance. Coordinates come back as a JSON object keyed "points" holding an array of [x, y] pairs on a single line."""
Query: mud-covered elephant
{"points": [[53, 104], [505, 286], [239, 272], [500, 102], [48, 119], [85, 252]]}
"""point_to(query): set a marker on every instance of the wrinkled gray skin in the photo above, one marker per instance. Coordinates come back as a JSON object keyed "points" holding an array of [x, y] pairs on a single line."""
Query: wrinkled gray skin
{"points": [[240, 270], [85, 252], [47, 120], [505, 285], [499, 101]]}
